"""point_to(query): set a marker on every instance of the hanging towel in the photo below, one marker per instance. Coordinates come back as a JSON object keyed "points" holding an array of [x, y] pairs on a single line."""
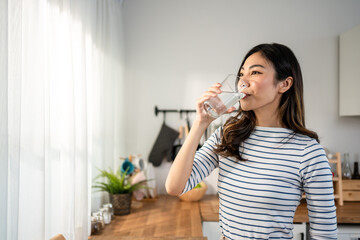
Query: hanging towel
{"points": [[163, 145]]}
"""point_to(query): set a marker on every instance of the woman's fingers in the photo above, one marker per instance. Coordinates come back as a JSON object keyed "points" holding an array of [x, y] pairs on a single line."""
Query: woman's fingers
{"points": [[212, 92], [230, 110], [215, 88]]}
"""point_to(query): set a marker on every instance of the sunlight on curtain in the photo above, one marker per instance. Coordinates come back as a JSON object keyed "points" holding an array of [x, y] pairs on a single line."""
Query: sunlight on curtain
{"points": [[63, 111], [3, 117]]}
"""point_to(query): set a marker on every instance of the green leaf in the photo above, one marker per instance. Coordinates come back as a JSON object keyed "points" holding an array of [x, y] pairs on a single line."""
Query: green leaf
{"points": [[116, 183]]}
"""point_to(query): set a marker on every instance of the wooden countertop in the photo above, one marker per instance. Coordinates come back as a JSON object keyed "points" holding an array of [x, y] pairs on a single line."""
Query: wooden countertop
{"points": [[349, 213], [168, 218]]}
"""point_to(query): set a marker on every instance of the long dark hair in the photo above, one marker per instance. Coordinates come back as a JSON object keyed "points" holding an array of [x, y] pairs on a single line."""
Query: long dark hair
{"points": [[238, 128]]}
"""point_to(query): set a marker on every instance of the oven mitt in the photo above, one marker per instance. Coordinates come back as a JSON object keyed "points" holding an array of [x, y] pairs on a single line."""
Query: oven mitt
{"points": [[163, 145]]}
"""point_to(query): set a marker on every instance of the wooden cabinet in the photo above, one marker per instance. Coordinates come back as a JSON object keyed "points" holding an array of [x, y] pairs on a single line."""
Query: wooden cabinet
{"points": [[351, 190]]}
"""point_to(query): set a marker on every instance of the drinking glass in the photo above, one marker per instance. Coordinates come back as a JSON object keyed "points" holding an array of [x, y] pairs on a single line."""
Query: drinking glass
{"points": [[229, 96]]}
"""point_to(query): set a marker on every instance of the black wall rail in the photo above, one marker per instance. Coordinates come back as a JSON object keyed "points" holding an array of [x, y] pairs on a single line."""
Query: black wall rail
{"points": [[180, 111]]}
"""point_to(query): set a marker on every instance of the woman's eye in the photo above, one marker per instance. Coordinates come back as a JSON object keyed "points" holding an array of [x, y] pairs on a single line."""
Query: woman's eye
{"points": [[241, 74], [255, 72]]}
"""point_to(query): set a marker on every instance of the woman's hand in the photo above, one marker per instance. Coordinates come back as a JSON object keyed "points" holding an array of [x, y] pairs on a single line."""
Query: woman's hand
{"points": [[201, 115]]}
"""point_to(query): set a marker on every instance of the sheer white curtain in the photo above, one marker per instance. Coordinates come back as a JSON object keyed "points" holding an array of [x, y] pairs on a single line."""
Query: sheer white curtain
{"points": [[61, 81]]}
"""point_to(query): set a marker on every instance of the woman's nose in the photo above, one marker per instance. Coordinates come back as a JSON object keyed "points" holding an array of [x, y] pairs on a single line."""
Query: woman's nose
{"points": [[243, 84]]}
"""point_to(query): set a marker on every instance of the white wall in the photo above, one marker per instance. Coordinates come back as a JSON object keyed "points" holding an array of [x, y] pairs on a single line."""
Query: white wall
{"points": [[175, 49]]}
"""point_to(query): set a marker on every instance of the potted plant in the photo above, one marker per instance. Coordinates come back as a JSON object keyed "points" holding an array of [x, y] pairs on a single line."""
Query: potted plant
{"points": [[119, 188]]}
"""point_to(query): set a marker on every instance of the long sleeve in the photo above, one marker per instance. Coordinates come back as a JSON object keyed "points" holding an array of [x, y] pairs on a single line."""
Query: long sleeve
{"points": [[318, 186], [205, 161]]}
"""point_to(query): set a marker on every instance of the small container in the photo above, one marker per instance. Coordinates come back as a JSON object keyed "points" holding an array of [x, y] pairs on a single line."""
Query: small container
{"points": [[106, 214], [95, 226], [111, 210], [99, 217]]}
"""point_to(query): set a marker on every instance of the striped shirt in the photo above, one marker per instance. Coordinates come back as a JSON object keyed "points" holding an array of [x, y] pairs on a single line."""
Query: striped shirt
{"points": [[258, 197]]}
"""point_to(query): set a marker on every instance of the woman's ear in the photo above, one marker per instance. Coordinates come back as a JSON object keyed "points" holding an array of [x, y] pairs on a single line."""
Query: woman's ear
{"points": [[285, 84]]}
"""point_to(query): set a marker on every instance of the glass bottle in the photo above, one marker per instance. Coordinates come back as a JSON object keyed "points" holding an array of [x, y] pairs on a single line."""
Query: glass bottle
{"points": [[106, 214], [111, 210], [356, 174], [346, 170]]}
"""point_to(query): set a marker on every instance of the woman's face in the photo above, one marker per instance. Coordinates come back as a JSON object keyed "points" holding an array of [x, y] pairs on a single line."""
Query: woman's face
{"points": [[259, 77]]}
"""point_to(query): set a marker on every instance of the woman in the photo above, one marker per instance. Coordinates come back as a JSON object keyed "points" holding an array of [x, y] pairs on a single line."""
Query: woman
{"points": [[266, 156]]}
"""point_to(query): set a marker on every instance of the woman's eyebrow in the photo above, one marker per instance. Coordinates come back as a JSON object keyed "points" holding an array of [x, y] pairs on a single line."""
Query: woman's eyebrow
{"points": [[255, 65]]}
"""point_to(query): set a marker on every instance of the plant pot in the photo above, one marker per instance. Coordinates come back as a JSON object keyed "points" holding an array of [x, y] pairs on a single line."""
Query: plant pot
{"points": [[121, 203]]}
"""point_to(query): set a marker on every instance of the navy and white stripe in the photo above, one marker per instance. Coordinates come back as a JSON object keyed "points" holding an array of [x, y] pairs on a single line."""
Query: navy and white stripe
{"points": [[258, 197]]}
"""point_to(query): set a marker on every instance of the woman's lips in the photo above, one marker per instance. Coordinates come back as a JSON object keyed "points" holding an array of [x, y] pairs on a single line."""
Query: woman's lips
{"points": [[246, 96]]}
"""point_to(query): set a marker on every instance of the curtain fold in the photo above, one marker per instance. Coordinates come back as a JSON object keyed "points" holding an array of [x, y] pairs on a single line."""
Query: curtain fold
{"points": [[3, 117], [60, 112], [15, 20]]}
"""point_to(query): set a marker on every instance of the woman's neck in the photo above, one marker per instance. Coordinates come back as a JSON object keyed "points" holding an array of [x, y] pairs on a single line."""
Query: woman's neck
{"points": [[268, 118]]}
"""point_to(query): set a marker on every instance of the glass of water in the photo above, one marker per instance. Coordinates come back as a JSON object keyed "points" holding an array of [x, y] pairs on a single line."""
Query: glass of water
{"points": [[230, 95]]}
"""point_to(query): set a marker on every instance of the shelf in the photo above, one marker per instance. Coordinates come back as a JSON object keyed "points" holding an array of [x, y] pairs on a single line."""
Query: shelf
{"points": [[338, 190]]}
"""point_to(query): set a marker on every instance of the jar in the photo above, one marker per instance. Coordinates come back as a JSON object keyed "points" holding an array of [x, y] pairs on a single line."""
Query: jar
{"points": [[111, 210], [100, 218], [106, 214], [95, 226]]}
